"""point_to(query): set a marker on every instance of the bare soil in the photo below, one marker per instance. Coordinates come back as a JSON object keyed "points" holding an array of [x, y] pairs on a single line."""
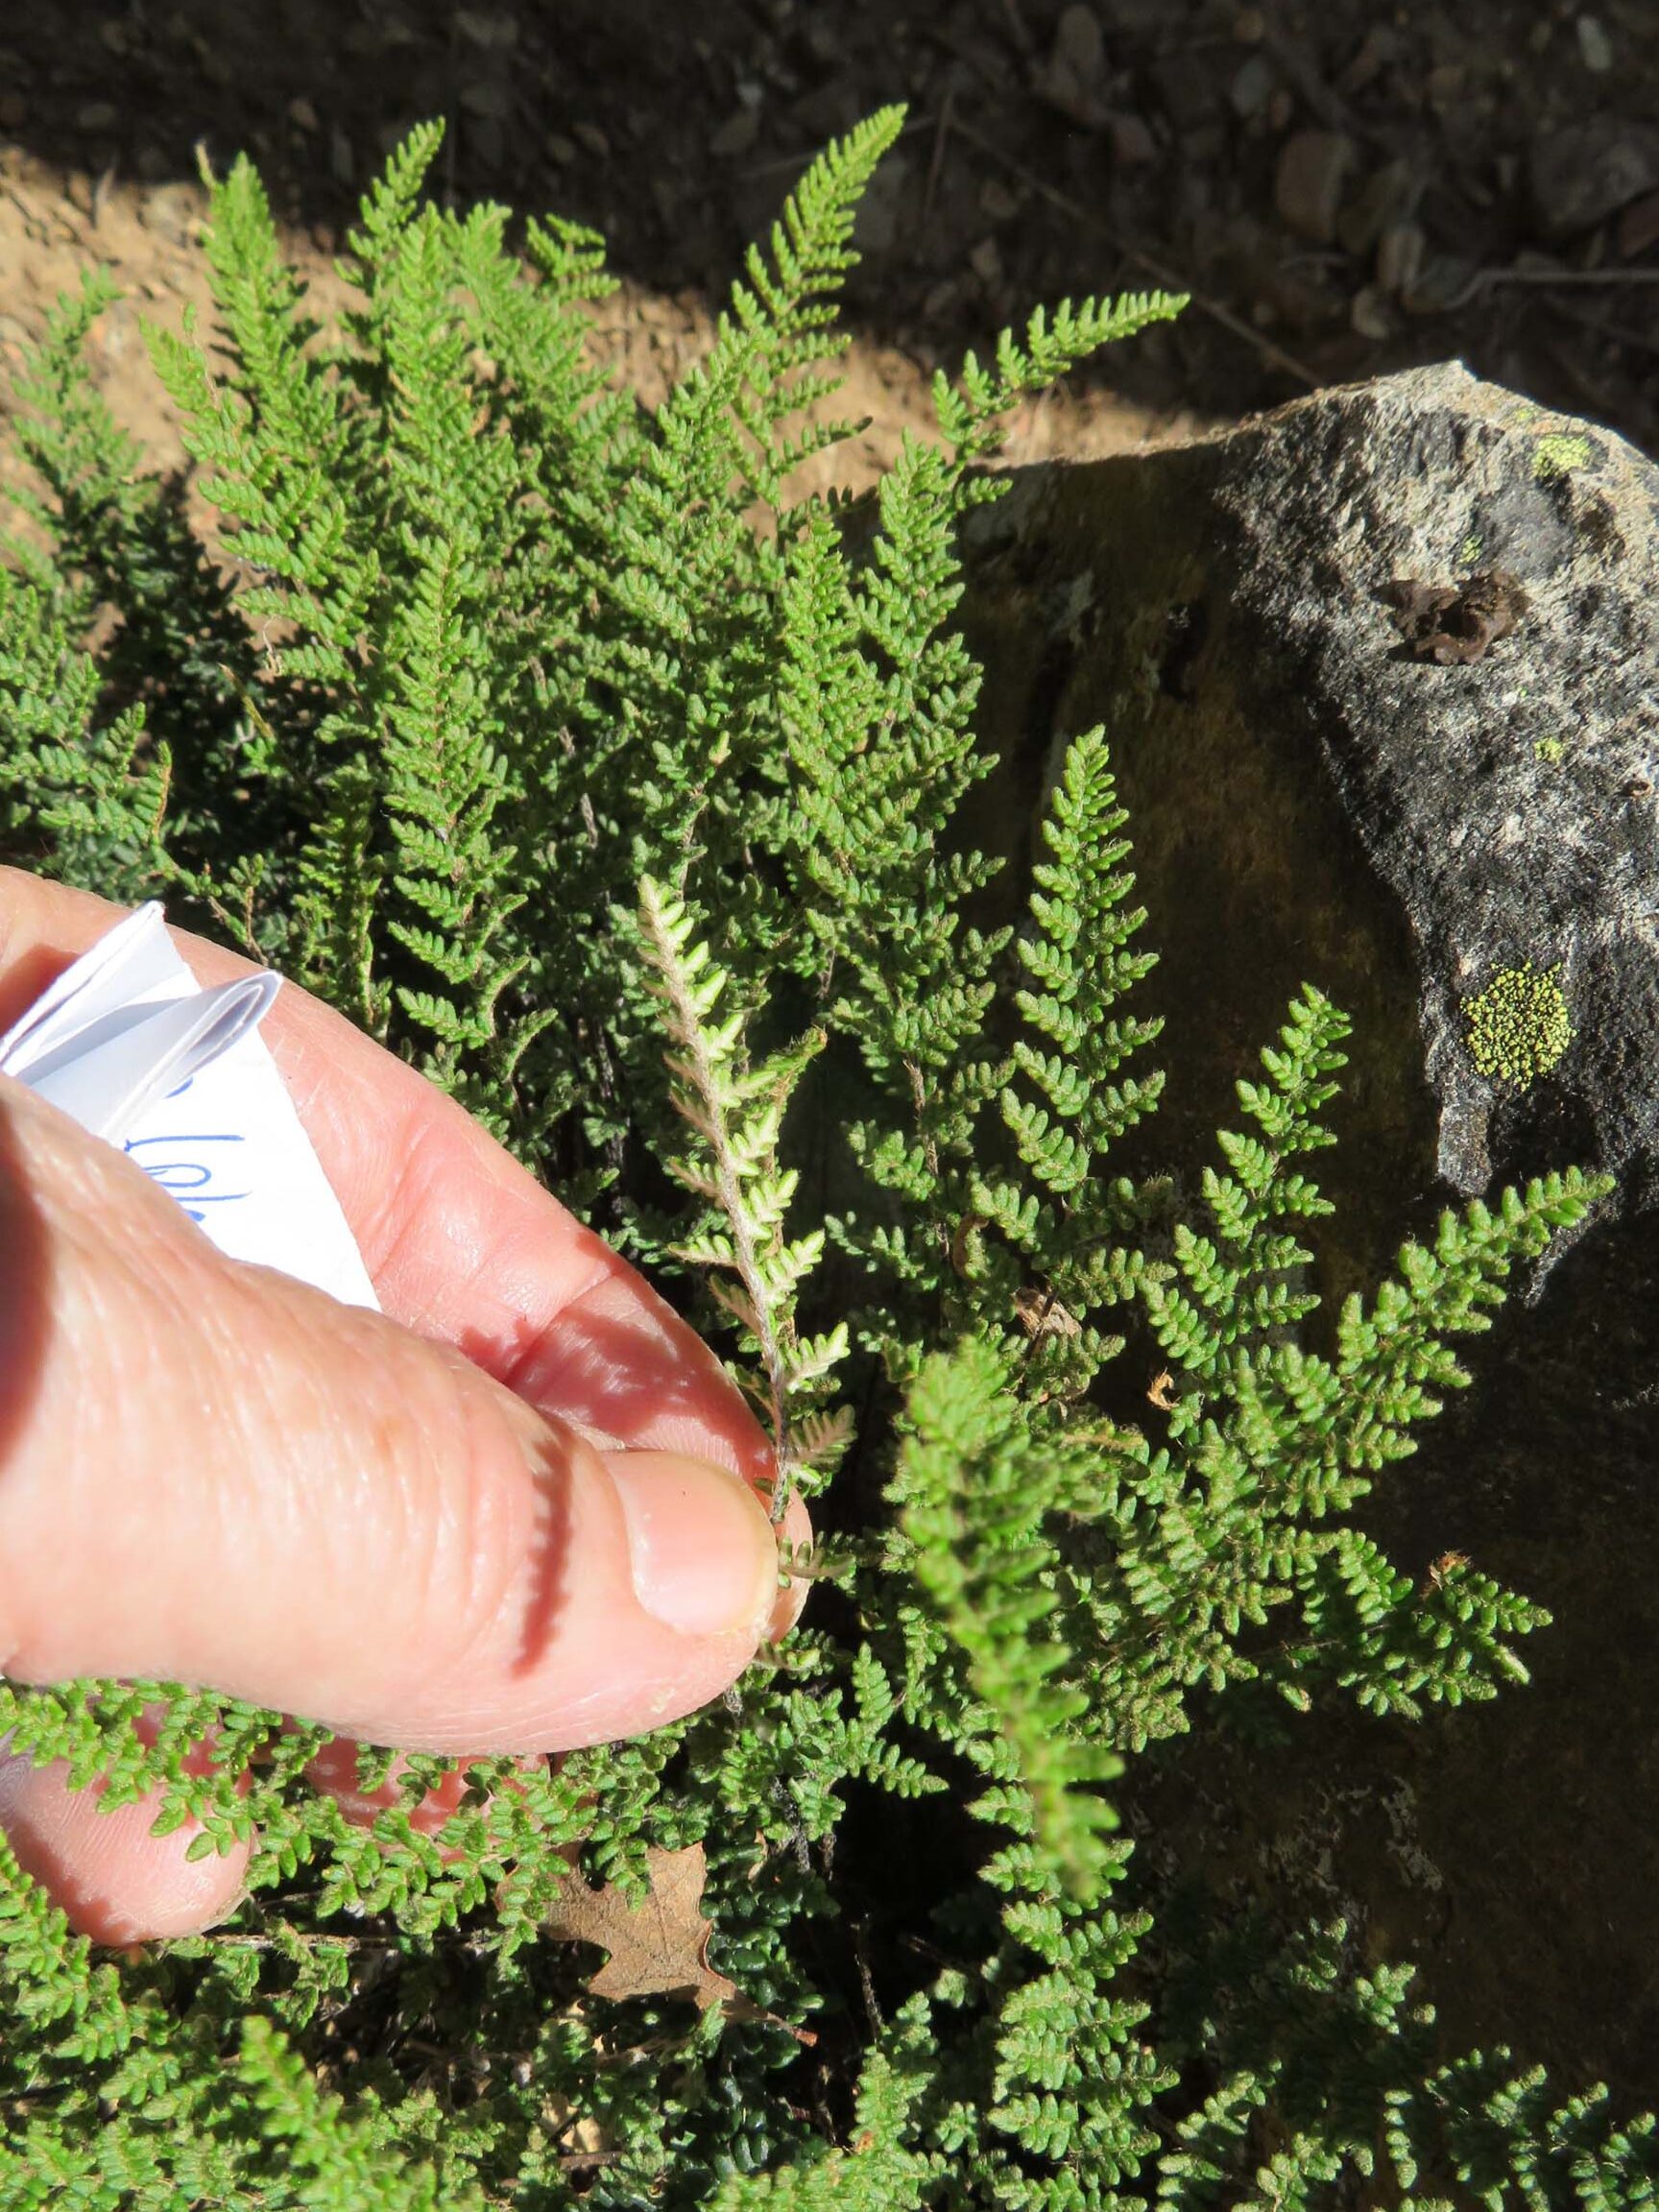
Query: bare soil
{"points": [[1344, 188]]}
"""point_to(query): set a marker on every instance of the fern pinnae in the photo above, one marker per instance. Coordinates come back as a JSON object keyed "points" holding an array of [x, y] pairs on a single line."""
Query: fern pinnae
{"points": [[737, 1112], [975, 1487]]}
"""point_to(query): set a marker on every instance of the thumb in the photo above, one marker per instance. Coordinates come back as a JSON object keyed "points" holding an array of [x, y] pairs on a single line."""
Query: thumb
{"points": [[213, 1474]]}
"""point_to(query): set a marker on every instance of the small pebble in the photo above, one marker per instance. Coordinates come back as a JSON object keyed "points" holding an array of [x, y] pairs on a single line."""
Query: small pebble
{"points": [[1252, 88], [1379, 46], [736, 135], [486, 96], [1639, 226], [1399, 257], [1132, 142], [171, 211], [1368, 313], [485, 141], [487, 27], [1441, 285], [1388, 196], [876, 226], [1584, 172], [1594, 45], [1079, 50], [1313, 167]]}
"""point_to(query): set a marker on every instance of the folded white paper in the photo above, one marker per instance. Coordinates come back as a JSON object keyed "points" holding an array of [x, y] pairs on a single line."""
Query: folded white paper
{"points": [[127, 1044]]}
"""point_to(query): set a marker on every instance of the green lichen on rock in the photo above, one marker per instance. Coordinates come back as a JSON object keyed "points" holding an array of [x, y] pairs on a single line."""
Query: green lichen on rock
{"points": [[1549, 749], [1516, 1027], [1558, 453]]}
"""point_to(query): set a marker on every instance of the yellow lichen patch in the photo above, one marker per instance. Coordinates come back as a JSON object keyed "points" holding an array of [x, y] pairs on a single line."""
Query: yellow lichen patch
{"points": [[1517, 1028], [1558, 453]]}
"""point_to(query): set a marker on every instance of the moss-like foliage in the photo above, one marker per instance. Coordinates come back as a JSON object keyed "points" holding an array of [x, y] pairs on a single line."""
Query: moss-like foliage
{"points": [[618, 787], [1518, 1027]]}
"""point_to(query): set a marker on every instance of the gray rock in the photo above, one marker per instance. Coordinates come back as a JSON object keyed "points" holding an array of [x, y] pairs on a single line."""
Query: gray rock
{"points": [[1313, 797], [1504, 808]]}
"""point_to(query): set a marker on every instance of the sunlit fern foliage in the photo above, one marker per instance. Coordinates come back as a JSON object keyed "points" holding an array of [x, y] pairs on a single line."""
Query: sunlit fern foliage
{"points": [[574, 752]]}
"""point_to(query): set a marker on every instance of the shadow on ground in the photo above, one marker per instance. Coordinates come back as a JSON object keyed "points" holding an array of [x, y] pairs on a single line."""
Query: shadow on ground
{"points": [[1345, 194]]}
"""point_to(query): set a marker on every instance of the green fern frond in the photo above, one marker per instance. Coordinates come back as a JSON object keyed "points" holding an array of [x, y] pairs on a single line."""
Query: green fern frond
{"points": [[735, 1111], [973, 1491], [450, 645]]}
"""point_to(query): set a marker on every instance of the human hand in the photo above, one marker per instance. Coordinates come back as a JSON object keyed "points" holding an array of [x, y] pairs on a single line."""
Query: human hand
{"points": [[522, 1510]]}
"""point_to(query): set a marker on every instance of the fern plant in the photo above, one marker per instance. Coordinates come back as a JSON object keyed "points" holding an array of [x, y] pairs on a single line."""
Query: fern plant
{"points": [[617, 785]]}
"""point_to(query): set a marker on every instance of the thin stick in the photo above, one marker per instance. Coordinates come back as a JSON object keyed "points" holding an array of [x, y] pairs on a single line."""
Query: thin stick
{"points": [[1018, 25], [777, 163], [937, 162], [34, 220], [1160, 271], [1620, 333], [1482, 281], [1551, 276], [1334, 112]]}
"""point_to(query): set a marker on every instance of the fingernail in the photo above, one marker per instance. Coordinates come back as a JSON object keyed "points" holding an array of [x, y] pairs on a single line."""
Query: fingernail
{"points": [[230, 1912], [702, 1550]]}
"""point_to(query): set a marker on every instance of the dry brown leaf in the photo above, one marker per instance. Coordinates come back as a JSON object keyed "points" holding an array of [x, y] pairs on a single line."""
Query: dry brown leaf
{"points": [[963, 1238], [1440, 1570], [658, 1944], [1041, 1314]]}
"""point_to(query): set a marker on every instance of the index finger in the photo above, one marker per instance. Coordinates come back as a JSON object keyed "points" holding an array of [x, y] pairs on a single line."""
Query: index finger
{"points": [[462, 1243]]}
